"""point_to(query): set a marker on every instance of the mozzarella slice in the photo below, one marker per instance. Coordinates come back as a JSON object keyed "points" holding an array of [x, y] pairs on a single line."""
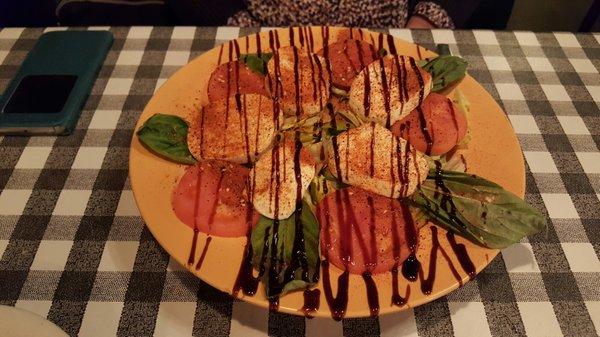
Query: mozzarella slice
{"points": [[235, 129], [299, 80], [388, 89], [372, 158], [273, 180]]}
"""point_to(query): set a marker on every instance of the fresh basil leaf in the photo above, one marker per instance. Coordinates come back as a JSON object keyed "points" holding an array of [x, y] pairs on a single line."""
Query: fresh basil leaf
{"points": [[382, 52], [317, 189], [166, 135], [288, 268], [477, 209], [445, 71], [338, 184], [322, 184], [256, 63]]}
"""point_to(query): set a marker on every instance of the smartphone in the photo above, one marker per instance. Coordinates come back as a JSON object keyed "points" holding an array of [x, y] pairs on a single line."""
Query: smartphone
{"points": [[51, 87]]}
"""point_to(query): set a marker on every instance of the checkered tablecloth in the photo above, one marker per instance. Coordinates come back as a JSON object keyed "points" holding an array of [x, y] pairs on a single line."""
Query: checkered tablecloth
{"points": [[75, 250]]}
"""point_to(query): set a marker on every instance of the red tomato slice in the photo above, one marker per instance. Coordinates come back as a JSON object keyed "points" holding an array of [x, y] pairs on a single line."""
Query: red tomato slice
{"points": [[362, 231], [347, 59], [446, 125], [248, 81], [223, 208]]}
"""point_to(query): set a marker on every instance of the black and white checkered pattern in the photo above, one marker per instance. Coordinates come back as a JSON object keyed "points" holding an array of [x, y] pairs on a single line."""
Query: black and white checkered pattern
{"points": [[74, 248]]}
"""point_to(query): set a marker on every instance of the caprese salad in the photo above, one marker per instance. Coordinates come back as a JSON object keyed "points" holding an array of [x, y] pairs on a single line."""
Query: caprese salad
{"points": [[335, 156]]}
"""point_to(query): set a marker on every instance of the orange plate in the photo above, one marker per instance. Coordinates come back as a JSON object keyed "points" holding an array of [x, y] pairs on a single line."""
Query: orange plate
{"points": [[493, 153]]}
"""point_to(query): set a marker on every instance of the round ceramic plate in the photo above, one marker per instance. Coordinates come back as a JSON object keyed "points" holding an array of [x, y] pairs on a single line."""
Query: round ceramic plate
{"points": [[493, 153], [17, 322]]}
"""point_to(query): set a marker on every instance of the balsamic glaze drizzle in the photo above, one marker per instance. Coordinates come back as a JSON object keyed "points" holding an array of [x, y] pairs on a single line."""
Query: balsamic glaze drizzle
{"points": [[446, 201], [422, 122], [461, 253], [411, 267], [203, 255], [312, 299], [338, 303]]}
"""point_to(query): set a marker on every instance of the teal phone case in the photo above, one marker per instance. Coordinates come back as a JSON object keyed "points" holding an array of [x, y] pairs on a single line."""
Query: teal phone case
{"points": [[79, 53]]}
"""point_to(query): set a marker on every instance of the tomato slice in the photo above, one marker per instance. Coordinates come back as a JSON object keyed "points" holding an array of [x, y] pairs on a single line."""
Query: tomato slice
{"points": [[347, 59], [364, 232], [446, 125], [223, 208], [229, 77]]}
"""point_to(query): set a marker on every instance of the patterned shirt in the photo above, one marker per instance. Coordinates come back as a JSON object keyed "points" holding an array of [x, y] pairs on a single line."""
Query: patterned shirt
{"points": [[349, 13]]}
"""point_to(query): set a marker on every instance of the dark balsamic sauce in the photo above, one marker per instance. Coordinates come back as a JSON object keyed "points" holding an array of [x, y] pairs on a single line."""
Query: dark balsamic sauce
{"points": [[274, 267], [446, 201], [258, 51], [311, 40], [237, 49], [372, 148], [461, 253], [391, 45], [372, 295], [397, 299], [411, 265], [464, 162], [339, 303], [325, 36], [297, 80], [312, 299], [291, 34], [301, 36], [230, 53], [367, 93], [422, 121], [313, 79], [427, 283], [245, 280], [220, 54], [322, 83], [203, 255], [453, 269], [192, 254], [274, 304], [403, 75], [386, 95]]}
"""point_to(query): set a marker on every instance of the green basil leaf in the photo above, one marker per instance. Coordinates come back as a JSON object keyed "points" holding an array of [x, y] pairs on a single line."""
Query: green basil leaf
{"points": [[257, 64], [477, 209], [382, 52], [338, 184], [322, 184], [166, 135], [288, 262], [445, 71]]}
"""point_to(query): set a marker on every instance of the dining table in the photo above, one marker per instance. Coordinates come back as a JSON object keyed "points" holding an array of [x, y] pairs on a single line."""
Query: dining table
{"points": [[76, 251]]}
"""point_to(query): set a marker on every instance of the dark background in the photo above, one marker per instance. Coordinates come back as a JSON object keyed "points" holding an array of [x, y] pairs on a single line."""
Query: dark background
{"points": [[536, 15]]}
